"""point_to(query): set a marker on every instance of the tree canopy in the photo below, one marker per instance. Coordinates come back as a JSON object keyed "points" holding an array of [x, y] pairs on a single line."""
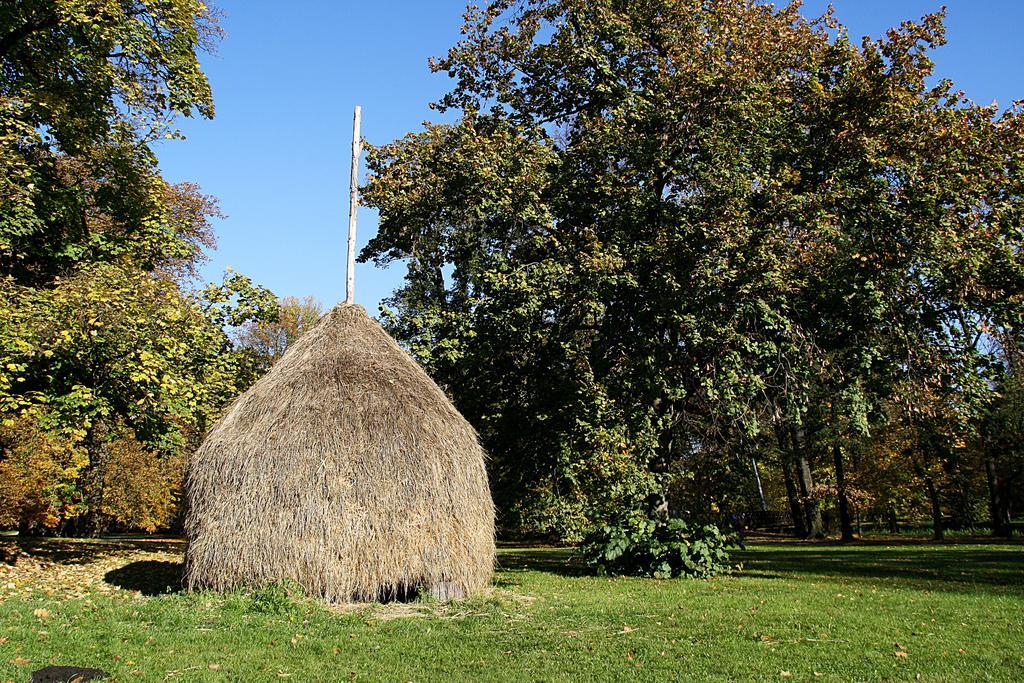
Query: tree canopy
{"points": [[662, 237], [112, 362]]}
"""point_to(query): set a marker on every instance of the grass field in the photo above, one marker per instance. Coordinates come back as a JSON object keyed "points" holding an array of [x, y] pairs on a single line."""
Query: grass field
{"points": [[796, 611]]}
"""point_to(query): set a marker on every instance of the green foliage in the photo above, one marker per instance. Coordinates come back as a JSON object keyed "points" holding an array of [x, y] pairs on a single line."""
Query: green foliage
{"points": [[86, 88], [113, 349], [278, 599], [661, 550], [81, 66], [111, 340], [661, 231], [112, 365]]}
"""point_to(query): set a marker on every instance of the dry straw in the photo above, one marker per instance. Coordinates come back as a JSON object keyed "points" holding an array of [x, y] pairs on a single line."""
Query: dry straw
{"points": [[345, 469]]}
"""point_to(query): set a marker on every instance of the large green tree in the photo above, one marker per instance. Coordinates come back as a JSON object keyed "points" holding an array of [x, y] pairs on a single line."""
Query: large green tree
{"points": [[85, 87], [664, 229], [112, 361]]}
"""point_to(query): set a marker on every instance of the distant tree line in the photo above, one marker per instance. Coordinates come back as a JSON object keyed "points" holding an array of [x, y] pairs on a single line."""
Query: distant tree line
{"points": [[663, 240]]}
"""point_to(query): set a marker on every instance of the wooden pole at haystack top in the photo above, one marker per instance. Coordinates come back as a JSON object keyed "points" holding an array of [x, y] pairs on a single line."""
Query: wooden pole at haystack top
{"points": [[353, 207]]}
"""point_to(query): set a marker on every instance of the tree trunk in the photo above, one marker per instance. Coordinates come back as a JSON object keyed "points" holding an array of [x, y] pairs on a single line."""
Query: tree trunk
{"points": [[786, 462], [938, 531], [812, 513], [845, 520], [894, 527], [90, 523], [958, 492], [998, 505], [760, 487], [30, 529]]}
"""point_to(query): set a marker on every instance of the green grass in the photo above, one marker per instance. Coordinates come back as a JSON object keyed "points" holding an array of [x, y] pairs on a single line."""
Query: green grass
{"points": [[815, 612]]}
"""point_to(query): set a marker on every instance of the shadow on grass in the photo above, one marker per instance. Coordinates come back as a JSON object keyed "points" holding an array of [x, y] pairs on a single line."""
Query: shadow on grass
{"points": [[953, 568], [149, 577], [964, 569], [82, 551], [558, 561]]}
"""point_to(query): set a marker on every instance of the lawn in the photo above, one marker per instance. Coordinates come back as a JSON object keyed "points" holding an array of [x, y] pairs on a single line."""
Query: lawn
{"points": [[796, 611]]}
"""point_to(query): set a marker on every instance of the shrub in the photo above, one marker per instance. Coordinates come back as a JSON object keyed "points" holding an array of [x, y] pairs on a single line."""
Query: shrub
{"points": [[39, 475], [139, 488], [283, 599], [48, 483], [659, 549]]}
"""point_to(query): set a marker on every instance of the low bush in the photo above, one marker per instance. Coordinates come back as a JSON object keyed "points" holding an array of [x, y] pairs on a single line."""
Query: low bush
{"points": [[280, 599], [659, 549]]}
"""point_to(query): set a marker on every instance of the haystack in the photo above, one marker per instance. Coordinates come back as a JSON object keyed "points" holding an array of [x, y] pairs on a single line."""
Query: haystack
{"points": [[345, 469]]}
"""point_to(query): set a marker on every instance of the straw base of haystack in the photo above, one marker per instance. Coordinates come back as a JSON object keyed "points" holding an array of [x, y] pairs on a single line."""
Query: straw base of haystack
{"points": [[346, 470]]}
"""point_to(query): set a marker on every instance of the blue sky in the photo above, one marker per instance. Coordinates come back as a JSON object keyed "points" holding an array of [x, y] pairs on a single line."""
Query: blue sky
{"points": [[287, 76]]}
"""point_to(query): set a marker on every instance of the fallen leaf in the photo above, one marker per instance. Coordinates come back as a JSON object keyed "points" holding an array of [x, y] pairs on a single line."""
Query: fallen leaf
{"points": [[20, 661], [627, 629], [900, 654], [214, 667], [785, 674], [41, 613]]}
